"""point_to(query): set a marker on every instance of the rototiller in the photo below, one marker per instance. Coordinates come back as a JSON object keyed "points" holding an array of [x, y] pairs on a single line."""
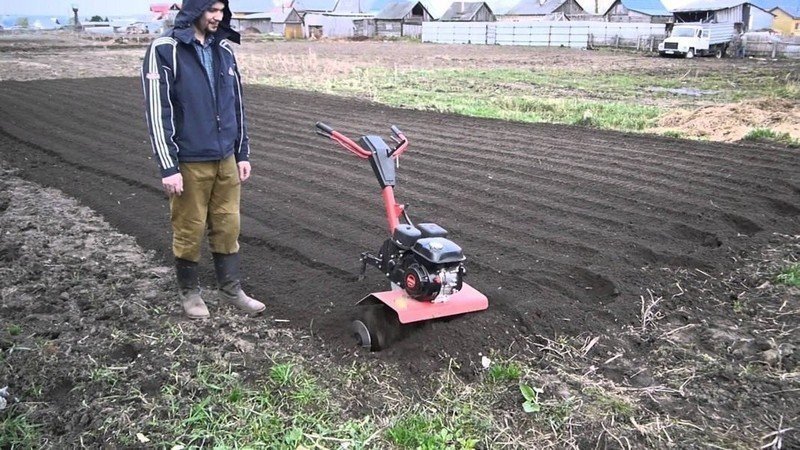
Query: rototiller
{"points": [[426, 270]]}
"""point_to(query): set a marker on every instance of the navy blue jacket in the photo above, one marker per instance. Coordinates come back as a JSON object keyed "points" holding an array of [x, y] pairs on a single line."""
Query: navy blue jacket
{"points": [[187, 123]]}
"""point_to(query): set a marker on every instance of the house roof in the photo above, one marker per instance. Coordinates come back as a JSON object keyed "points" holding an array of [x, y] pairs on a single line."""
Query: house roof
{"points": [[277, 15], [711, 5], [164, 7], [397, 10], [314, 5], [535, 7], [778, 8], [649, 7], [463, 11]]}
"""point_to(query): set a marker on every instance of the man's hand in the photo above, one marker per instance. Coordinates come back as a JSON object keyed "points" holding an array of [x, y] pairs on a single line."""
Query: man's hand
{"points": [[173, 184], [244, 170]]}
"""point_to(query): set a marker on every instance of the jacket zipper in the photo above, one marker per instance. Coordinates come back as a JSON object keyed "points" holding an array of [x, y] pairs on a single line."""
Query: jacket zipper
{"points": [[213, 96]]}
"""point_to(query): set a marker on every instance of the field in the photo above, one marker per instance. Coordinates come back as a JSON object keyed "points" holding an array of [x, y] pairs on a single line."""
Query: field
{"points": [[643, 288]]}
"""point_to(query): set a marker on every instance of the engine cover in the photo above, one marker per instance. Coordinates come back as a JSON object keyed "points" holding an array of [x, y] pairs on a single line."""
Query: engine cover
{"points": [[437, 250]]}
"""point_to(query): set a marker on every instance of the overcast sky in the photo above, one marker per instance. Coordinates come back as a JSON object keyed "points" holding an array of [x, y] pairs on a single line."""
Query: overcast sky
{"points": [[131, 7], [136, 7], [64, 8]]}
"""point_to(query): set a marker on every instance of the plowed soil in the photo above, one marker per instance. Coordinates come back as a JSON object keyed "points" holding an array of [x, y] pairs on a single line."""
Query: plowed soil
{"points": [[564, 228]]}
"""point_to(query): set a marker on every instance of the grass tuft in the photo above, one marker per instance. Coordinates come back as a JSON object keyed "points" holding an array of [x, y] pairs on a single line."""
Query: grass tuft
{"points": [[16, 432], [503, 372], [766, 134], [790, 276]]}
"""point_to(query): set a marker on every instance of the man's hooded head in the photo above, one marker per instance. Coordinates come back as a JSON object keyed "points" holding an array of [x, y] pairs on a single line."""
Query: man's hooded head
{"points": [[192, 10]]}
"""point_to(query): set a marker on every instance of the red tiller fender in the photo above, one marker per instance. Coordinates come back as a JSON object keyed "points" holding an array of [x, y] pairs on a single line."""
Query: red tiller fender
{"points": [[408, 310]]}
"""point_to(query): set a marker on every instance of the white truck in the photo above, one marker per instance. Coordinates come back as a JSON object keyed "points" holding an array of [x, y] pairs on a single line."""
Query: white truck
{"points": [[698, 39]]}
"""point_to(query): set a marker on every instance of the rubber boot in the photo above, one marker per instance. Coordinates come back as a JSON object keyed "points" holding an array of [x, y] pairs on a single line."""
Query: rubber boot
{"points": [[189, 289], [230, 288]]}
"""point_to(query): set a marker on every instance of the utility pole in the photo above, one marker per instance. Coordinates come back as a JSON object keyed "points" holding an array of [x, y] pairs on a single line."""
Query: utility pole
{"points": [[75, 14]]}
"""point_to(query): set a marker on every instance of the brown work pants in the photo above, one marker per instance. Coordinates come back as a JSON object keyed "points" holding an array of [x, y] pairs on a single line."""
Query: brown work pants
{"points": [[210, 200]]}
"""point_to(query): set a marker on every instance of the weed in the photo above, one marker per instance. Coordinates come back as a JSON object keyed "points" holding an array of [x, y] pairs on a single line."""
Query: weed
{"points": [[14, 330], [423, 432], [751, 370], [531, 395], [673, 134], [17, 432], [559, 413], [610, 403], [790, 275], [104, 375], [281, 374], [35, 391], [502, 372], [766, 134]]}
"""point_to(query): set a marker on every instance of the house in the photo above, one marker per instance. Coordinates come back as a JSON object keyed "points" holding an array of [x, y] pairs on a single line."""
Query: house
{"points": [[537, 10], [399, 19], [468, 12], [165, 11], [785, 23], [648, 11], [747, 15], [280, 21]]}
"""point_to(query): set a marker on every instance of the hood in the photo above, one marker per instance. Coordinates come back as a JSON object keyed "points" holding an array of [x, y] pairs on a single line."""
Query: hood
{"points": [[191, 10]]}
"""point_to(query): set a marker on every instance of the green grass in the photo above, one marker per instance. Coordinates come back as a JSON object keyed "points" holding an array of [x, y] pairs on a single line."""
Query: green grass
{"points": [[609, 403], [509, 94], [503, 372], [620, 101], [16, 432], [14, 330], [673, 134], [430, 432], [766, 134], [289, 410], [790, 276]]}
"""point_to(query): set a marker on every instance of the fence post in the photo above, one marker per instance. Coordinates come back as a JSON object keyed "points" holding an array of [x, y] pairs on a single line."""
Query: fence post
{"points": [[549, 34], [652, 39], [638, 42], [774, 50], [616, 43]]}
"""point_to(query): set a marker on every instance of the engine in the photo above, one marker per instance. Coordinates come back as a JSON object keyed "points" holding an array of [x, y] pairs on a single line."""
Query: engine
{"points": [[437, 286], [428, 268]]}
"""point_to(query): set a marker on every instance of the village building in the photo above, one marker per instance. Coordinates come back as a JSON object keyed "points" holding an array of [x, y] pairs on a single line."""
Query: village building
{"points": [[165, 12], [785, 23], [402, 19], [284, 22], [540, 10], [747, 16], [647, 11], [468, 12]]}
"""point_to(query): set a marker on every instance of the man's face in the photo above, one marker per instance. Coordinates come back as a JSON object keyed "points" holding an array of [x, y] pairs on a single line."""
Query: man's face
{"points": [[208, 23]]}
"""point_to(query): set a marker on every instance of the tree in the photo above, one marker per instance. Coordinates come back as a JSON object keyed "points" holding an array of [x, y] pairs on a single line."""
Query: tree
{"points": [[96, 19], [22, 22]]}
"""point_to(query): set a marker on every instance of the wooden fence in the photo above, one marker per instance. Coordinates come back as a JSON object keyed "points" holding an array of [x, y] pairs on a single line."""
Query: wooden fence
{"points": [[770, 46]]}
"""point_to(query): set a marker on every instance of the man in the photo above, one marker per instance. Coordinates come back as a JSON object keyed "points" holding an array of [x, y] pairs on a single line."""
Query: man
{"points": [[198, 131], [736, 45]]}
